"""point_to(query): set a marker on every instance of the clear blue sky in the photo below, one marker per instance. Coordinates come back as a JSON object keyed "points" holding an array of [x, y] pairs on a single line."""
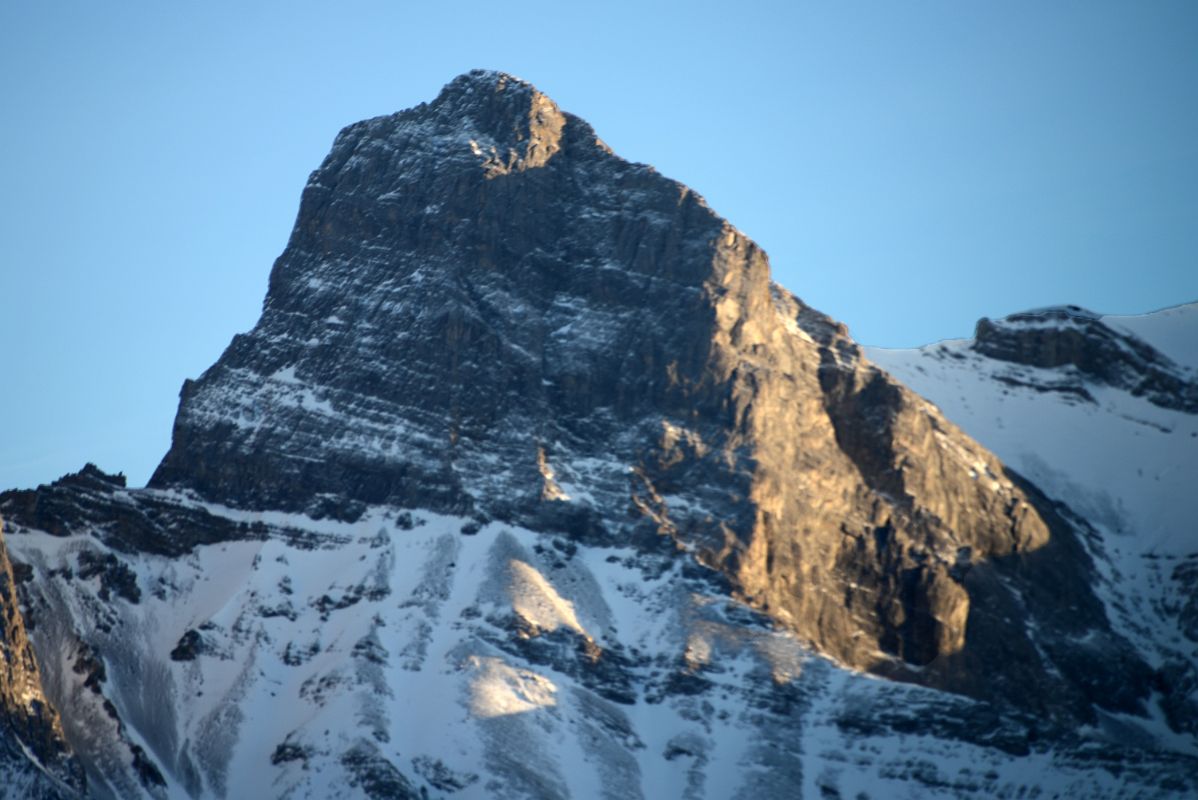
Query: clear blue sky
{"points": [[909, 166]]}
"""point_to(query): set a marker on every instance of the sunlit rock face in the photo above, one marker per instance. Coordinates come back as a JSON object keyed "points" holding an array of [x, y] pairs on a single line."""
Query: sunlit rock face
{"points": [[35, 760], [530, 483]]}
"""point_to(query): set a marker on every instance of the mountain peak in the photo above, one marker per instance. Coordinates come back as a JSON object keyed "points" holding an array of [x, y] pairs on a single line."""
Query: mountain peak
{"points": [[485, 80], [505, 122], [526, 446], [482, 313], [482, 91]]}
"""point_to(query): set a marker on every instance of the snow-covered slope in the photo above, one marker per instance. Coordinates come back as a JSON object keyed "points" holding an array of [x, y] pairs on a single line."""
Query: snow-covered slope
{"points": [[1173, 331], [410, 653]]}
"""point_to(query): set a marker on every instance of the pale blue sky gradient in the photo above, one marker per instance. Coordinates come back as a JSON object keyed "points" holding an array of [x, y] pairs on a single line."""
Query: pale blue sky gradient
{"points": [[909, 167]]}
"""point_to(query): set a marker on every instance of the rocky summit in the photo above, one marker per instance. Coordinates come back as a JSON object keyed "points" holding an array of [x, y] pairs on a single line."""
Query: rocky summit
{"points": [[529, 482]]}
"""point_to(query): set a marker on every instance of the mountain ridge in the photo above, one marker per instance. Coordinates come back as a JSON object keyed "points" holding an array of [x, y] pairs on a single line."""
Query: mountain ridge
{"points": [[504, 377]]}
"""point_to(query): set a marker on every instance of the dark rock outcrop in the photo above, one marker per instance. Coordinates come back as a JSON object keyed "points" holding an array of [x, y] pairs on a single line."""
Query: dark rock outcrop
{"points": [[1077, 339], [93, 504]]}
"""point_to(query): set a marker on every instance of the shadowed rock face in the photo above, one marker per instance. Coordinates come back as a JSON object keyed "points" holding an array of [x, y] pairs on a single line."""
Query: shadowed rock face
{"points": [[482, 309]]}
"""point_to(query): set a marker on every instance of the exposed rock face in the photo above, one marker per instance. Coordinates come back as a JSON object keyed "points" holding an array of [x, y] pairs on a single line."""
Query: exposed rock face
{"points": [[28, 722], [1094, 352]]}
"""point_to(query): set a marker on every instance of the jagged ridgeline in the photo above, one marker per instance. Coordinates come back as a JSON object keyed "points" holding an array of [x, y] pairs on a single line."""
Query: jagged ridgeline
{"points": [[526, 429]]}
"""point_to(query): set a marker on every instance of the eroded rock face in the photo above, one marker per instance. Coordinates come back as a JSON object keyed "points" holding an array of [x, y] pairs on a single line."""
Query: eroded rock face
{"points": [[483, 310], [28, 722]]}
